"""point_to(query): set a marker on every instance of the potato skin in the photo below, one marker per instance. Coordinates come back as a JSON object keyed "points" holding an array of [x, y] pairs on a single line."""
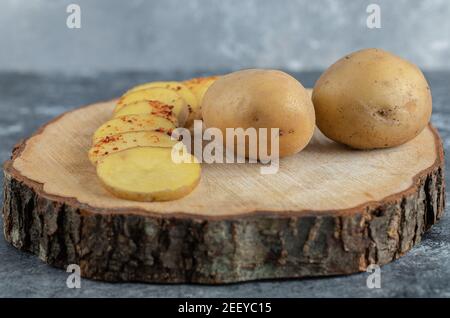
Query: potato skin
{"points": [[262, 99], [372, 99]]}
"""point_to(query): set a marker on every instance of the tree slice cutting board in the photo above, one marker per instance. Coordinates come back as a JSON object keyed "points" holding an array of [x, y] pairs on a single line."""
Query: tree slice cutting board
{"points": [[329, 210]]}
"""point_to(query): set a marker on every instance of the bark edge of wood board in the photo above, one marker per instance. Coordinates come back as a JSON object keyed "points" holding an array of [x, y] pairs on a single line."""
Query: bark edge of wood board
{"points": [[199, 239]]}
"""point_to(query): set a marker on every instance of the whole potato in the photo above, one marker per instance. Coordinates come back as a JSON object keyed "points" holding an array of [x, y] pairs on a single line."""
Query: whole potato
{"points": [[372, 99], [262, 99]]}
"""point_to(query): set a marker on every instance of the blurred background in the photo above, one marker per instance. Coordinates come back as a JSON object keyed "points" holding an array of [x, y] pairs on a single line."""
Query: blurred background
{"points": [[47, 68], [214, 35]]}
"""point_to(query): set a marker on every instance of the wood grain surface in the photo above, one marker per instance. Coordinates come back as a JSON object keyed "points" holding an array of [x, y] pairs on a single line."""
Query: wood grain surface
{"points": [[329, 210]]}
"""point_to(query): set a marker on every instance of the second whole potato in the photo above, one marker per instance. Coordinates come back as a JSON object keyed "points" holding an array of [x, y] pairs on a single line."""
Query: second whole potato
{"points": [[372, 99], [262, 99]]}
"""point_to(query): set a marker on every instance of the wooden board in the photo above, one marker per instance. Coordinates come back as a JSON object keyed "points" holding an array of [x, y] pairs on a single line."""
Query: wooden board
{"points": [[329, 210]]}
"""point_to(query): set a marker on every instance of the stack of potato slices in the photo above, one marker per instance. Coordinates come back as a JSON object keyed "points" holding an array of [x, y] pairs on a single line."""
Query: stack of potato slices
{"points": [[133, 150]]}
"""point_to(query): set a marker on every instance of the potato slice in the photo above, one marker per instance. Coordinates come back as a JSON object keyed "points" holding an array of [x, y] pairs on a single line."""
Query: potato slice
{"points": [[163, 95], [147, 174], [199, 86], [178, 87], [153, 107], [119, 142], [130, 123]]}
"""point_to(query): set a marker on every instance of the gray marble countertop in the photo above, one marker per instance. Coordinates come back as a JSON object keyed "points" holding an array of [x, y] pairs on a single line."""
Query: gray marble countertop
{"points": [[29, 100]]}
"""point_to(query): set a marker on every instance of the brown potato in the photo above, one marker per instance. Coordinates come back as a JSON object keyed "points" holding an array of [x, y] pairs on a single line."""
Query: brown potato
{"points": [[262, 99], [372, 99]]}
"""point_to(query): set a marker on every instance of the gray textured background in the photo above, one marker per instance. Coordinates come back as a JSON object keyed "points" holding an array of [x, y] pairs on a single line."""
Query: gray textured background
{"points": [[211, 35], [46, 69]]}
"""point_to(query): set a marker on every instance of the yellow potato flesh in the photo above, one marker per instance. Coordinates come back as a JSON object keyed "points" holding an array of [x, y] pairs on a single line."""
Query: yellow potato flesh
{"points": [[178, 87], [163, 95], [130, 123], [147, 174], [199, 86], [149, 107], [119, 142]]}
